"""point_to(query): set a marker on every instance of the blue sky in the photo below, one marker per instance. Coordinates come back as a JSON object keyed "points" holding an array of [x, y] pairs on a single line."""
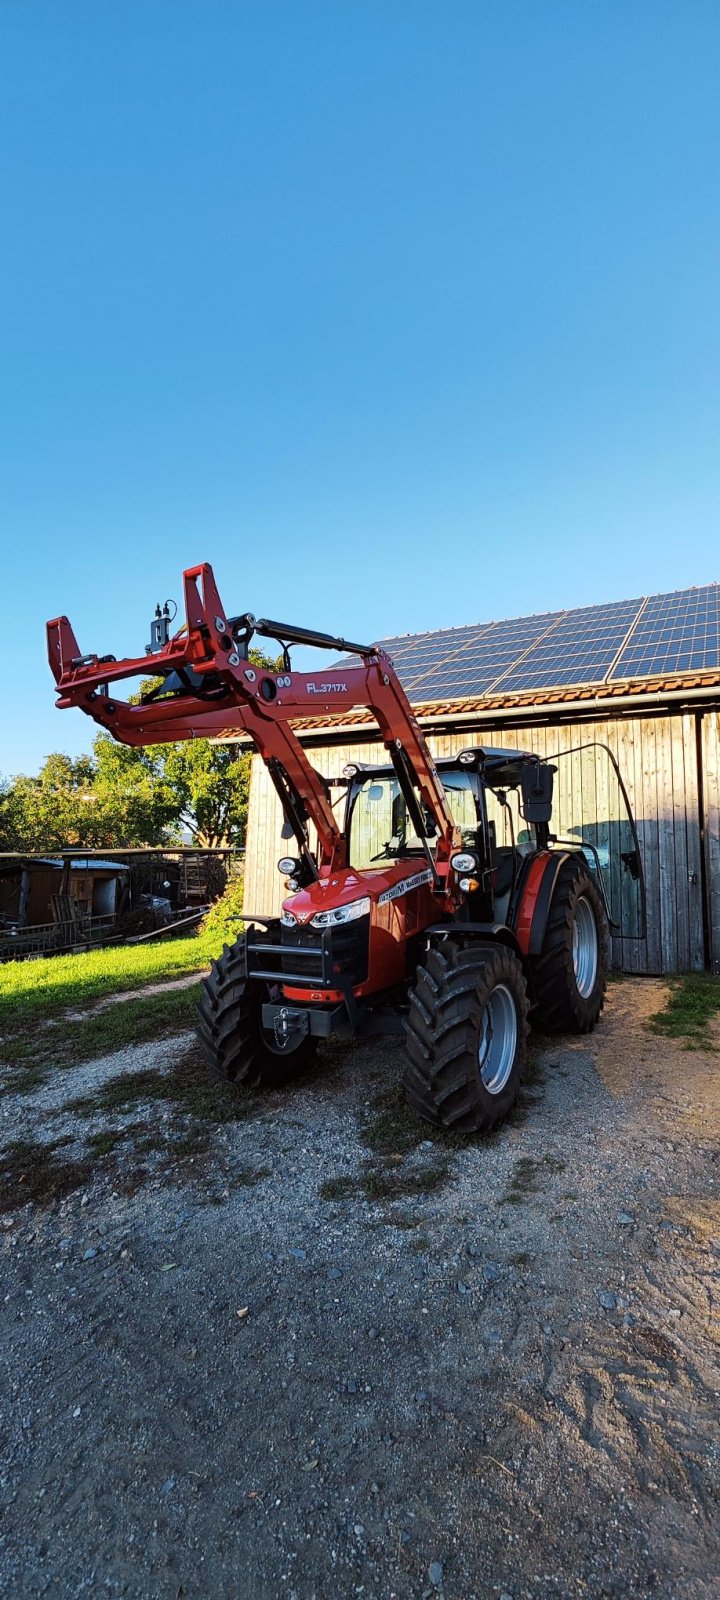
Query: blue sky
{"points": [[403, 314]]}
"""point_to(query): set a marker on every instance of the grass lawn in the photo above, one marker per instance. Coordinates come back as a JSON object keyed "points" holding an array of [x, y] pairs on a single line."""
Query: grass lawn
{"points": [[33, 992], [37, 1036], [693, 1003], [40, 1035]]}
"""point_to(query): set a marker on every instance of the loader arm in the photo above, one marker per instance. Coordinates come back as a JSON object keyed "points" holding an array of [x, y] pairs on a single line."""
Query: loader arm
{"points": [[212, 687]]}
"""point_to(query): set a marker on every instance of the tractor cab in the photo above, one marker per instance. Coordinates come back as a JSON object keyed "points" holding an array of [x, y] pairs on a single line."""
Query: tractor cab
{"points": [[477, 783], [378, 824], [507, 805]]}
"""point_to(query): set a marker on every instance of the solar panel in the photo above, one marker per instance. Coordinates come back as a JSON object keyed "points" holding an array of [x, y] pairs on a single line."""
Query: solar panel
{"points": [[674, 633], [580, 649], [474, 669], [421, 655], [668, 633], [420, 652]]}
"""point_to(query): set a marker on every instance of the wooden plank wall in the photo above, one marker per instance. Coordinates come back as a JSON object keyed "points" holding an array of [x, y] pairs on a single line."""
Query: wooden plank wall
{"points": [[657, 758], [711, 784]]}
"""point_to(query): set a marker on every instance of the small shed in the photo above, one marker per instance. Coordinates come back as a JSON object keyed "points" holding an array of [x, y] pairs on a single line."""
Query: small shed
{"points": [[642, 676], [28, 885]]}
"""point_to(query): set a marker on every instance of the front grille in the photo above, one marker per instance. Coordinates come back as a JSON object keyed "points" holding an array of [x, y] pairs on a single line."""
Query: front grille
{"points": [[347, 946], [316, 958]]}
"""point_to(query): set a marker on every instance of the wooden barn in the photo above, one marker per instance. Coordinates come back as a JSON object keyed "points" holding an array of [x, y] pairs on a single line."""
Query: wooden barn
{"points": [[641, 676]]}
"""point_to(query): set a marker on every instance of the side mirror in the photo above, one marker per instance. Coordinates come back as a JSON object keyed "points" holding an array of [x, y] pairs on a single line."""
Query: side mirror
{"points": [[536, 783], [287, 831]]}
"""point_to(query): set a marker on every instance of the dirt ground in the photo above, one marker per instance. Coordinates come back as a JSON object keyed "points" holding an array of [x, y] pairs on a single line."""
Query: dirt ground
{"points": [[312, 1351]]}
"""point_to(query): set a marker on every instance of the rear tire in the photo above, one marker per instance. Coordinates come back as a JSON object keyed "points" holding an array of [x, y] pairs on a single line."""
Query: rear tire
{"points": [[569, 977], [466, 1036], [237, 1047]]}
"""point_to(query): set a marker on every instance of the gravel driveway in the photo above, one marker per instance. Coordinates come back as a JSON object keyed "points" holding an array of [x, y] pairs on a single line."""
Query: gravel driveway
{"points": [[315, 1353]]}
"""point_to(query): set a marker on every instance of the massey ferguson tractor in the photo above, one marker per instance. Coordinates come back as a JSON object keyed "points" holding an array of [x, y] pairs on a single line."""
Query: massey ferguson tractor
{"points": [[425, 911]]}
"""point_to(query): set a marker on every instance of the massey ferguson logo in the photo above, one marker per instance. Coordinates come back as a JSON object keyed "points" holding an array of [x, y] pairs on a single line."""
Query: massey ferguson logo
{"points": [[327, 688], [404, 886]]}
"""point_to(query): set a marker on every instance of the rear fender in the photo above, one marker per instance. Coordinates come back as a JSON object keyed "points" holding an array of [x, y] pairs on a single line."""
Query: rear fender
{"points": [[532, 908]]}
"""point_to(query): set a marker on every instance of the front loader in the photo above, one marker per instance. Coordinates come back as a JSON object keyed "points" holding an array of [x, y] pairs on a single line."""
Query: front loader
{"points": [[441, 907]]}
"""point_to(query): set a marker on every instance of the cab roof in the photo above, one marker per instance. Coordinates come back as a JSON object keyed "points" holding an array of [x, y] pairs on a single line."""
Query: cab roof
{"points": [[498, 765]]}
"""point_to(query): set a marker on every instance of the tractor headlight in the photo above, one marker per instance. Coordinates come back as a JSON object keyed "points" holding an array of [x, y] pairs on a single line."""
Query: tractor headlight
{"points": [[330, 919], [464, 861], [287, 919], [350, 770], [288, 865]]}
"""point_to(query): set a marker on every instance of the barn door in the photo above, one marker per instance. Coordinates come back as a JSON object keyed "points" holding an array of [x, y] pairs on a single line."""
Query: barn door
{"points": [[591, 809]]}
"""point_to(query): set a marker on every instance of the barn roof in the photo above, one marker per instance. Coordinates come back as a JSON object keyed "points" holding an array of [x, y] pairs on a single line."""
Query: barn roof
{"points": [[651, 646]]}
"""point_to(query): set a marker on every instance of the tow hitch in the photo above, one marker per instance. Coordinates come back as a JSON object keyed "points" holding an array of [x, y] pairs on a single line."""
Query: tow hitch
{"points": [[289, 1026]]}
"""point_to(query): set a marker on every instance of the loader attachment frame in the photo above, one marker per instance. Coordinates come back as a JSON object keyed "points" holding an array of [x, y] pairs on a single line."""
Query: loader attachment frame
{"points": [[211, 687]]}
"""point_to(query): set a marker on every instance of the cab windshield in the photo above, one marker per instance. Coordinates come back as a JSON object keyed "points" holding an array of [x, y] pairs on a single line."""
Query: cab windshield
{"points": [[382, 830]]}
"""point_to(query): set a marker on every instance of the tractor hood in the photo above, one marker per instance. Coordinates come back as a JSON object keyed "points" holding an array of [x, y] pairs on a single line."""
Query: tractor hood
{"points": [[348, 886]]}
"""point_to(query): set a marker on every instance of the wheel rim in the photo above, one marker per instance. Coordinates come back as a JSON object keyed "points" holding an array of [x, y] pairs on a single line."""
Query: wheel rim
{"points": [[498, 1039], [584, 947]]}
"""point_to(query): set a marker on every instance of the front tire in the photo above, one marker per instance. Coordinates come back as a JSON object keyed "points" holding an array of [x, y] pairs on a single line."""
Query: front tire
{"points": [[569, 977], [237, 1047], [466, 1036]]}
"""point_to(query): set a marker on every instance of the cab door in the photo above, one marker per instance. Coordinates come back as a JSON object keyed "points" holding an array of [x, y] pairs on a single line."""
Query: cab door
{"points": [[591, 809]]}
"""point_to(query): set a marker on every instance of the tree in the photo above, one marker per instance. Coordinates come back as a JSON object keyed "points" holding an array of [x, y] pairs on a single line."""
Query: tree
{"points": [[51, 810], [212, 783], [134, 804], [107, 800]]}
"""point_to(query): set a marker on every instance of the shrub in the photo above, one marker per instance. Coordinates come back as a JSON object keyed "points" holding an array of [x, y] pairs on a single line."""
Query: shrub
{"points": [[223, 922]]}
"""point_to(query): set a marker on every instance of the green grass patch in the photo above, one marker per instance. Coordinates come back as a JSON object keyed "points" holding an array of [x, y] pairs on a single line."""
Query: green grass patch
{"points": [[35, 991], [396, 1185], [37, 1172], [693, 1004], [37, 1051], [393, 1133], [395, 1130], [31, 1171], [389, 1183], [103, 1144], [247, 1177], [339, 1188], [528, 1178], [187, 1086]]}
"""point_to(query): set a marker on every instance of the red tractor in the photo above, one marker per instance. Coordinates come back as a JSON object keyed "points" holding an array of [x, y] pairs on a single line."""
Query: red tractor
{"points": [[444, 908]]}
